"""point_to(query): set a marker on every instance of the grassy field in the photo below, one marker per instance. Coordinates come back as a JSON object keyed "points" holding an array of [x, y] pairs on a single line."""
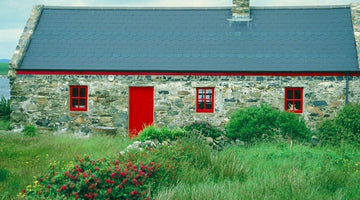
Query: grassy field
{"points": [[4, 68], [279, 170]]}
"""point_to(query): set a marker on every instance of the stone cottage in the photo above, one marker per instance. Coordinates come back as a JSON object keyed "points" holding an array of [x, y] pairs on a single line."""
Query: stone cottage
{"points": [[86, 68]]}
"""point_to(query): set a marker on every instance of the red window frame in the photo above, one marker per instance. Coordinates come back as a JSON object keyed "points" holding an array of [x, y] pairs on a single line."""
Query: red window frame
{"points": [[294, 99], [78, 98], [205, 100]]}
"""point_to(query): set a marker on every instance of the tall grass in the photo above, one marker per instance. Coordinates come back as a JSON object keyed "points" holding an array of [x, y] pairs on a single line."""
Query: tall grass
{"points": [[22, 158], [191, 170]]}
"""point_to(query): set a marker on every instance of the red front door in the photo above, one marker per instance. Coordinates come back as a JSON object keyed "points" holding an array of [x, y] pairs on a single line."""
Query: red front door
{"points": [[141, 109]]}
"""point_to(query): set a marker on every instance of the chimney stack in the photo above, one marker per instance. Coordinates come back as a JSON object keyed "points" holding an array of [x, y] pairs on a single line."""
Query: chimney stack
{"points": [[241, 10]]}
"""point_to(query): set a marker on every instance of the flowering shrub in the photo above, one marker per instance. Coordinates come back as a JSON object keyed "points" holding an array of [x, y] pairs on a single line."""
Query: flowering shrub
{"points": [[97, 179]]}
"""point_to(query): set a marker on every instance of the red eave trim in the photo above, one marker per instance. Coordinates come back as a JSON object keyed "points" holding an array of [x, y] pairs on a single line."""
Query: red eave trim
{"points": [[30, 72]]}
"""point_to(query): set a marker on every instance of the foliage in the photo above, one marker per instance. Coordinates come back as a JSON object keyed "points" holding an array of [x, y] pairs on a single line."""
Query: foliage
{"points": [[264, 122], [5, 108], [5, 124], [203, 128], [160, 134], [29, 130], [344, 127], [96, 179]]}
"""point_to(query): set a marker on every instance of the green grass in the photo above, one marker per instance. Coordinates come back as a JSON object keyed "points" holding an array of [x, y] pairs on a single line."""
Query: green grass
{"points": [[4, 68], [190, 170]]}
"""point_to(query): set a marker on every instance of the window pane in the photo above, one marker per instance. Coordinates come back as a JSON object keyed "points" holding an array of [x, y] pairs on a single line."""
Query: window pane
{"points": [[200, 96], [82, 92], [75, 92], [289, 106], [201, 105], [82, 103], [75, 103], [289, 94], [297, 94], [297, 105], [208, 104], [208, 96], [201, 91]]}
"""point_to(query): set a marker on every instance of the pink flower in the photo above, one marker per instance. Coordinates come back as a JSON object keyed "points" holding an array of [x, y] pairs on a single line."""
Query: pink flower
{"points": [[117, 162], [135, 192], [134, 181], [113, 175], [108, 191], [152, 163], [122, 174], [63, 187]]}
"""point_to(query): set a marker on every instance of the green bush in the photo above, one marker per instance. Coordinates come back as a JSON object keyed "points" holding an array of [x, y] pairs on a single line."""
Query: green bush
{"points": [[160, 134], [264, 122], [5, 108], [344, 127], [96, 179], [29, 130], [203, 128]]}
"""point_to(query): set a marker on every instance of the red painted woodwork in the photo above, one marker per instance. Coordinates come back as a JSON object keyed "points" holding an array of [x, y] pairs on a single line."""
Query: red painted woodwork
{"points": [[30, 72], [78, 98], [205, 100], [294, 100], [141, 109]]}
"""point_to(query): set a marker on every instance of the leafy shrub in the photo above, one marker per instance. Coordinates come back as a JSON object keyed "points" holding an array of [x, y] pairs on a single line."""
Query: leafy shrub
{"points": [[29, 130], [344, 127], [203, 128], [5, 124], [160, 134], [5, 108], [97, 179], [264, 122]]}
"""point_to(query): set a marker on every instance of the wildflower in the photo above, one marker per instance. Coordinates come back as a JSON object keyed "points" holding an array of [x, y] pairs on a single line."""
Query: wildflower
{"points": [[122, 174], [108, 191], [134, 181], [113, 175], [84, 175], [152, 163], [117, 162], [96, 168], [49, 186], [63, 187], [135, 192], [120, 187]]}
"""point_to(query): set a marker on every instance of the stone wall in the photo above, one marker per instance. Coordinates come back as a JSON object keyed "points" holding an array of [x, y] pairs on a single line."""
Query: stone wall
{"points": [[44, 100]]}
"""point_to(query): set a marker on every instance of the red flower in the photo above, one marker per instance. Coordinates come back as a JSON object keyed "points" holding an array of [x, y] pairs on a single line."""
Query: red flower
{"points": [[152, 163], [124, 181], [96, 168], [117, 162], [40, 180], [49, 186], [113, 175], [108, 191], [134, 181], [122, 174], [63, 187], [84, 175], [23, 191], [120, 187], [135, 192]]}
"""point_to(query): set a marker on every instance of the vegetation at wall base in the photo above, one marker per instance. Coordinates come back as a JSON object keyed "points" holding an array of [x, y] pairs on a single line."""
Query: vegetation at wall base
{"points": [[203, 128], [160, 134], [4, 108], [266, 123], [345, 127]]}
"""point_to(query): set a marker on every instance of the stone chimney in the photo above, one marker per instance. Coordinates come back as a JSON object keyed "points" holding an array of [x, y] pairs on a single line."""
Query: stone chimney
{"points": [[241, 10]]}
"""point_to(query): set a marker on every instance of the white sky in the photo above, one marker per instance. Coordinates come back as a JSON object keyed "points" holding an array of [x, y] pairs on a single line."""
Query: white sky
{"points": [[15, 13]]}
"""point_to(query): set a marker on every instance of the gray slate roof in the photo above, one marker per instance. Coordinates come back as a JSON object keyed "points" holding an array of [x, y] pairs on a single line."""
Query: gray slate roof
{"points": [[193, 40]]}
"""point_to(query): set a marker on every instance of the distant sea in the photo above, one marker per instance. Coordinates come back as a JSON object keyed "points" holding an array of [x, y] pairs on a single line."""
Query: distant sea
{"points": [[4, 83]]}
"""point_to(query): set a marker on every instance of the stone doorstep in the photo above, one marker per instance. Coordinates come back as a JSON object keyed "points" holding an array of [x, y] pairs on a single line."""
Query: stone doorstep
{"points": [[105, 129]]}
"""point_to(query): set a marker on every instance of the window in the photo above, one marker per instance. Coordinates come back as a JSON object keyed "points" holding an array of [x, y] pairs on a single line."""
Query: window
{"points": [[294, 100], [78, 98], [205, 100]]}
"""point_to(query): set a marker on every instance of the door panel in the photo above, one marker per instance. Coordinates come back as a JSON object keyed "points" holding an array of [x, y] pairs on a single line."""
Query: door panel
{"points": [[141, 109]]}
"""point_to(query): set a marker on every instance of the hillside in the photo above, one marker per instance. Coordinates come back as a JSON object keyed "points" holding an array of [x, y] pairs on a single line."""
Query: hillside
{"points": [[4, 68]]}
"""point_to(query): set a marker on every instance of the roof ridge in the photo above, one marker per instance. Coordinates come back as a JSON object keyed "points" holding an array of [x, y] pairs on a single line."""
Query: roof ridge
{"points": [[191, 8]]}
